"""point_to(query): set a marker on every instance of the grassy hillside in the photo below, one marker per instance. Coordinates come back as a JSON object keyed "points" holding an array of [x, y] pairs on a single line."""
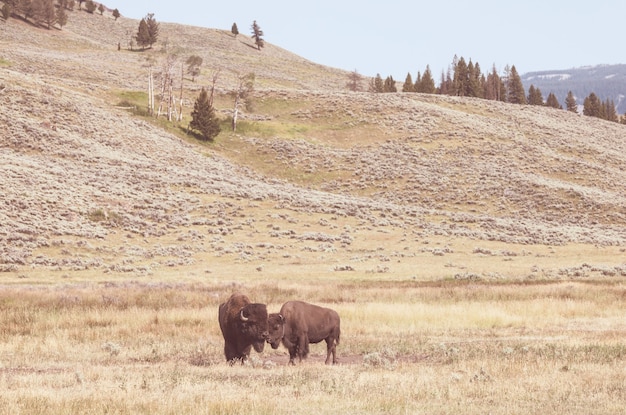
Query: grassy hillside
{"points": [[474, 250], [431, 165]]}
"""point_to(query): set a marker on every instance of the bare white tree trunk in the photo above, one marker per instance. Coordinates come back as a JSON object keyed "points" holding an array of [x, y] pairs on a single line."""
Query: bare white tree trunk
{"points": [[235, 113], [170, 100], [150, 93], [162, 94], [214, 81], [245, 87], [180, 101], [167, 79]]}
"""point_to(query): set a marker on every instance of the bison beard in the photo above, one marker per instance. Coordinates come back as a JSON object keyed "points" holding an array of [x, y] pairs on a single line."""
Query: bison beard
{"points": [[243, 325], [298, 324]]}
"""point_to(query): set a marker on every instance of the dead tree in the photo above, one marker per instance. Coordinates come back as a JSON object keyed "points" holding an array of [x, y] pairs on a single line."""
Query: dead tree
{"points": [[244, 89], [150, 92], [167, 88], [213, 82], [180, 100]]}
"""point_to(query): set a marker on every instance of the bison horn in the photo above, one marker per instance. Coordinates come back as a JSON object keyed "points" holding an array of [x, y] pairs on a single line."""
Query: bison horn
{"points": [[243, 318]]}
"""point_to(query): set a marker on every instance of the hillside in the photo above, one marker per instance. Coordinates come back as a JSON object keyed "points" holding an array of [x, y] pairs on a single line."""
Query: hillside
{"points": [[316, 176]]}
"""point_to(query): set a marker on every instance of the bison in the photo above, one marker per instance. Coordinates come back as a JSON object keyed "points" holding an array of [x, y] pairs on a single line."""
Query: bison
{"points": [[299, 324], [243, 325]]}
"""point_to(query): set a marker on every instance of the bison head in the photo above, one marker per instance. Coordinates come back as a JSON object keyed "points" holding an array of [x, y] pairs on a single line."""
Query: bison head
{"points": [[276, 325], [253, 323]]}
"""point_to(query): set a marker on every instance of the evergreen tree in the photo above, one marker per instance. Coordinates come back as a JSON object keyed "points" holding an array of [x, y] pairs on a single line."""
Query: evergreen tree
{"points": [[234, 29], [25, 8], [355, 81], [390, 85], [592, 106], [257, 34], [603, 109], [427, 83], [143, 34], [552, 101], [408, 84], [47, 13], [203, 118], [473, 87], [445, 85], [515, 91], [6, 11], [61, 17], [116, 14], [101, 9], [534, 96], [494, 86], [570, 103], [417, 86], [377, 84], [148, 32], [460, 80], [153, 29], [478, 81], [90, 6], [610, 113]]}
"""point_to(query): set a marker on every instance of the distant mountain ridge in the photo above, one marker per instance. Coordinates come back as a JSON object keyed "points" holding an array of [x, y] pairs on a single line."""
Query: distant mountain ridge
{"points": [[606, 81]]}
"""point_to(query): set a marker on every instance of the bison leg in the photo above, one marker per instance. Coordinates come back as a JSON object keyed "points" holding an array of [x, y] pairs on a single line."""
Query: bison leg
{"points": [[303, 347], [233, 355], [230, 353], [245, 354], [293, 351], [331, 348]]}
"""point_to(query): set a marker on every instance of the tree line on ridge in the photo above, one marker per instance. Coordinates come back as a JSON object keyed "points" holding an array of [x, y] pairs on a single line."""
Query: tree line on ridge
{"points": [[465, 79]]}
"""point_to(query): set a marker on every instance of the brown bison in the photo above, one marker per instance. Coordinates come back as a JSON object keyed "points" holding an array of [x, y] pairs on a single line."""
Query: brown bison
{"points": [[243, 325], [299, 324]]}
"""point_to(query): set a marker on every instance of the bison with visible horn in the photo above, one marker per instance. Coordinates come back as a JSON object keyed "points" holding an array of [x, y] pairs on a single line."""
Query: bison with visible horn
{"points": [[299, 324], [243, 325]]}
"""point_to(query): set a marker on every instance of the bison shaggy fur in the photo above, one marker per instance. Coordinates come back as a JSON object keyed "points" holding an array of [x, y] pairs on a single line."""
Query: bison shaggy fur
{"points": [[243, 325], [299, 323]]}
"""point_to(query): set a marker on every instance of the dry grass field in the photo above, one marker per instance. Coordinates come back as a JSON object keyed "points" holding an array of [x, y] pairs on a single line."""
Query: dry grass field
{"points": [[475, 251]]}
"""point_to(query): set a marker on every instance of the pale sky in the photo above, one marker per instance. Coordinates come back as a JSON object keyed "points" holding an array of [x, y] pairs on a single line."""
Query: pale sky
{"points": [[395, 37]]}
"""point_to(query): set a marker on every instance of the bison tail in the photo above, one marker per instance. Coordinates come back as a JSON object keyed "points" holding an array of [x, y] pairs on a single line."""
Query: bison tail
{"points": [[337, 337]]}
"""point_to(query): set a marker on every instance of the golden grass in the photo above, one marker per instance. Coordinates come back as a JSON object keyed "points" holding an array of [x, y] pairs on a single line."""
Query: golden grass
{"points": [[406, 346]]}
